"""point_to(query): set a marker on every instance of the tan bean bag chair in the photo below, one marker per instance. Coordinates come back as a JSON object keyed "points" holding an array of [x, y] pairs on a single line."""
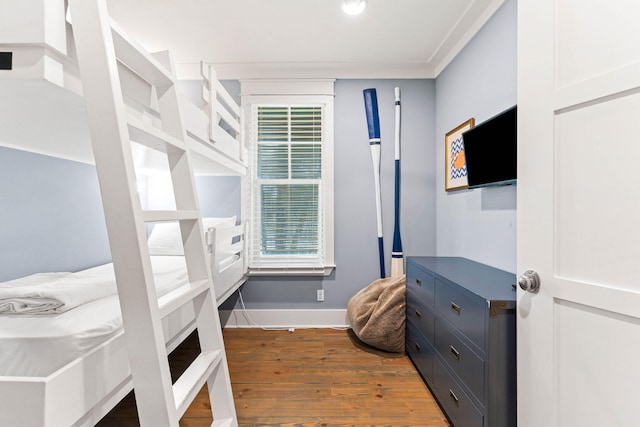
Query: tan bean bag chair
{"points": [[377, 314]]}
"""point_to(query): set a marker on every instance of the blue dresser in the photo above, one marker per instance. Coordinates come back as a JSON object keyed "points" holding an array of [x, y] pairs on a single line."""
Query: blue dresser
{"points": [[461, 336]]}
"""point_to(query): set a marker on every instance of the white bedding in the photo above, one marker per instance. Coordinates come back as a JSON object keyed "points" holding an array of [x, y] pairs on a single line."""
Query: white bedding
{"points": [[52, 293], [36, 345]]}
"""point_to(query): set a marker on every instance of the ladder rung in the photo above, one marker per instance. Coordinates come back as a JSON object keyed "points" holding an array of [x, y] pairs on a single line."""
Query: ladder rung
{"points": [[164, 216], [152, 137], [178, 297], [192, 380], [134, 56]]}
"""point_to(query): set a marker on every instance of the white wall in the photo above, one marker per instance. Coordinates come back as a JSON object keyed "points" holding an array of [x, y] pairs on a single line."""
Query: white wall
{"points": [[480, 82]]}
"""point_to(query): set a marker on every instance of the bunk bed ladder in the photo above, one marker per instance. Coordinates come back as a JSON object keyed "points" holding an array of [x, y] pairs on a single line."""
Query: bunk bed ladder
{"points": [[101, 48]]}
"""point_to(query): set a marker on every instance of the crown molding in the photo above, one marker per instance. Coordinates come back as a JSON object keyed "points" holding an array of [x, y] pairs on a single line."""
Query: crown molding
{"points": [[314, 70]]}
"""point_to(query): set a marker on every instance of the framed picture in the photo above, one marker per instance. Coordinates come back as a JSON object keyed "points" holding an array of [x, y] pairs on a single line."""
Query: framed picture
{"points": [[455, 165]]}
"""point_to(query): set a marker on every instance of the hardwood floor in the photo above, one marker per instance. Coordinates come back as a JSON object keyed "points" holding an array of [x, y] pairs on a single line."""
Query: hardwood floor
{"points": [[309, 377]]}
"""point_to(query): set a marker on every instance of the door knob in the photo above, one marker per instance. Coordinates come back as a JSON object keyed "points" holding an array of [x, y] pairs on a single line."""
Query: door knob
{"points": [[529, 281]]}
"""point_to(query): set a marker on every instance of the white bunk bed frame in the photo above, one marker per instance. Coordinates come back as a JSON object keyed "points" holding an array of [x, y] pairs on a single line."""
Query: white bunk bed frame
{"points": [[45, 77], [84, 390], [46, 80], [227, 277]]}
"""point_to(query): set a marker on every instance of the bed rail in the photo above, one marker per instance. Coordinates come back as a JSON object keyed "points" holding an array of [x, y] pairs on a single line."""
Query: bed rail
{"points": [[224, 113], [228, 262]]}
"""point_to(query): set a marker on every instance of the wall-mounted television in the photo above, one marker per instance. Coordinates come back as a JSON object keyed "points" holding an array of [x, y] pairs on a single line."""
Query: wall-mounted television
{"points": [[490, 150]]}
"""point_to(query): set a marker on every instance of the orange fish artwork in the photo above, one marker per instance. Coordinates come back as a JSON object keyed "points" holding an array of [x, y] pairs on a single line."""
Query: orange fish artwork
{"points": [[459, 160]]}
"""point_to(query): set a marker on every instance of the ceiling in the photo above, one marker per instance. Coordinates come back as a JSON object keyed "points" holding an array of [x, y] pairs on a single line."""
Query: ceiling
{"points": [[305, 38]]}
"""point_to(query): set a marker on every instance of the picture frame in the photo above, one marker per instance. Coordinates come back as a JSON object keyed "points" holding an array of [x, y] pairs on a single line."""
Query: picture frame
{"points": [[455, 165]]}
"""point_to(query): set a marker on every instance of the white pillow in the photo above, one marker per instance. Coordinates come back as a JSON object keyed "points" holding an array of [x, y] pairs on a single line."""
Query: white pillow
{"points": [[165, 238]]}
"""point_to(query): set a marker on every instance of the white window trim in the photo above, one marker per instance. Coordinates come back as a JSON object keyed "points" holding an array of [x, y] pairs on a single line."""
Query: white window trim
{"points": [[318, 91]]}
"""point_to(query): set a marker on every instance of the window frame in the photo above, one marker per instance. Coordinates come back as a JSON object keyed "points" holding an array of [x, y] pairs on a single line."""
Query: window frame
{"points": [[291, 94]]}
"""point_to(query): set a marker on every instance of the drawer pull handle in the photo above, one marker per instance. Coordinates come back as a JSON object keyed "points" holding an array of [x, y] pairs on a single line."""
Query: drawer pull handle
{"points": [[418, 347], [455, 352], [418, 314], [455, 307], [453, 396], [419, 281]]}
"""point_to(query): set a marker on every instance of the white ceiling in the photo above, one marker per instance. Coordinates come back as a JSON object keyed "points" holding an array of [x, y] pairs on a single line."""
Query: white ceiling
{"points": [[305, 38]]}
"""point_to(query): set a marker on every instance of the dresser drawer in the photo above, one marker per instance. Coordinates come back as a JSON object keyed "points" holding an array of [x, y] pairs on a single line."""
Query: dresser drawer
{"points": [[422, 283], [458, 406], [419, 314], [463, 313], [420, 351], [466, 364], [471, 355]]}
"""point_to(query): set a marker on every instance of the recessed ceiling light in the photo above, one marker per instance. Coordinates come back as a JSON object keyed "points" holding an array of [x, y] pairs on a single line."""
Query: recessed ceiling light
{"points": [[354, 7]]}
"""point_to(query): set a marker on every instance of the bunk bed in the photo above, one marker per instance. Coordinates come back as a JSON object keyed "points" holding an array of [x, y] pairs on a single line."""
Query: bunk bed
{"points": [[42, 85], [71, 368], [225, 248]]}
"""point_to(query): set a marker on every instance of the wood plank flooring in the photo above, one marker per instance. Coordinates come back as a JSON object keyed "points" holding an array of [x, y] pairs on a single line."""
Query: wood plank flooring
{"points": [[309, 377]]}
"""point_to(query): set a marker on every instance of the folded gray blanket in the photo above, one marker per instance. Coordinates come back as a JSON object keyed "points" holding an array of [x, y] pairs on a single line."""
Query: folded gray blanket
{"points": [[377, 314]]}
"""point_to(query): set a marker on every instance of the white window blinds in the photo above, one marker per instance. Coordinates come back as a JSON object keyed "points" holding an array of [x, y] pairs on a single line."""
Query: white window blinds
{"points": [[290, 184], [287, 191]]}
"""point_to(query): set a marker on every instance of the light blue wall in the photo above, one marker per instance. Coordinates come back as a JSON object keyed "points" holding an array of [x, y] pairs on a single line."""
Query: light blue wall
{"points": [[480, 82], [355, 218], [51, 215], [219, 196]]}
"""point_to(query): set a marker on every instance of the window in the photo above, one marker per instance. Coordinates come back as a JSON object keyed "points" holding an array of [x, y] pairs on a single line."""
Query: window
{"points": [[291, 183]]}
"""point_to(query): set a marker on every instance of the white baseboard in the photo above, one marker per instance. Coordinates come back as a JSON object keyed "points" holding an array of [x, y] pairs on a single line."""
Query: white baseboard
{"points": [[284, 318]]}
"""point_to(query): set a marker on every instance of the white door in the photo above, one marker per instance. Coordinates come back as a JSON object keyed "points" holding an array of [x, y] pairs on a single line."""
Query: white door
{"points": [[579, 212]]}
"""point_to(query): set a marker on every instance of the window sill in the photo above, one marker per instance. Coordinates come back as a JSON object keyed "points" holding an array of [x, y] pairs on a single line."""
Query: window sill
{"points": [[291, 271]]}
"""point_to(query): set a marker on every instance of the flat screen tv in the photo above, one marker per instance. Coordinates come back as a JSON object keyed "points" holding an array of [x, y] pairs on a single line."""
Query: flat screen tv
{"points": [[490, 151]]}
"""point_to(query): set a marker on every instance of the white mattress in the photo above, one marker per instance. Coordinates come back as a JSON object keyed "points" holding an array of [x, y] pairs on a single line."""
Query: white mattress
{"points": [[38, 345]]}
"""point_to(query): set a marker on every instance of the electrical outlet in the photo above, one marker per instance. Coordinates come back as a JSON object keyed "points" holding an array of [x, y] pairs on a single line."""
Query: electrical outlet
{"points": [[320, 294]]}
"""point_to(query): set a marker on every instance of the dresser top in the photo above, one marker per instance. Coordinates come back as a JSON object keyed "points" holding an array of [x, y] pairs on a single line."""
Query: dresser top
{"points": [[487, 282]]}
